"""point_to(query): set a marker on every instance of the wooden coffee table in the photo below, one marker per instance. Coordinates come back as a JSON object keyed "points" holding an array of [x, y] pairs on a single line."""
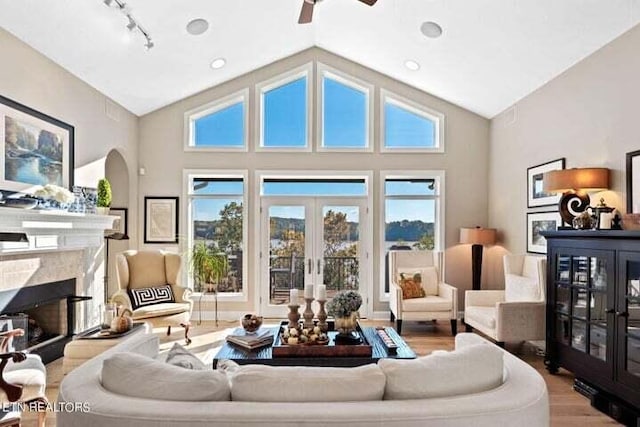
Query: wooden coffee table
{"points": [[264, 355]]}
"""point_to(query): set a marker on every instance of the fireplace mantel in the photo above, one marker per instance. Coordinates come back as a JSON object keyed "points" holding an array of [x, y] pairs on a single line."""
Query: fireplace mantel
{"points": [[52, 230]]}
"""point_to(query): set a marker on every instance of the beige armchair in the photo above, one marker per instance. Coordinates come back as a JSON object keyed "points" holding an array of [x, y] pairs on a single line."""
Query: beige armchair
{"points": [[518, 312], [441, 299], [144, 269]]}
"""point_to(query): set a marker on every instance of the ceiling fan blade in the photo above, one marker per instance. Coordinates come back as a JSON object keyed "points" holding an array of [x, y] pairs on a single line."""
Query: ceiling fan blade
{"points": [[306, 14], [368, 2]]}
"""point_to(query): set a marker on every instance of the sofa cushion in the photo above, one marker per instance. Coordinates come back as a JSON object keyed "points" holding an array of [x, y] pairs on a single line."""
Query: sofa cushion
{"points": [[521, 288], [260, 383], [484, 315], [468, 370], [428, 303], [146, 269], [428, 278], [142, 297], [180, 356], [134, 375]]}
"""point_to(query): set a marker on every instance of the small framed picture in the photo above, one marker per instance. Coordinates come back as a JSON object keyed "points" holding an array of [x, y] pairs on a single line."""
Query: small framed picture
{"points": [[537, 222], [633, 182], [120, 225], [535, 184], [161, 219]]}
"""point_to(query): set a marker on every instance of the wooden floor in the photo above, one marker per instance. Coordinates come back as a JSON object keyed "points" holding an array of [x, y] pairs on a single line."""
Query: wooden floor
{"points": [[568, 408]]}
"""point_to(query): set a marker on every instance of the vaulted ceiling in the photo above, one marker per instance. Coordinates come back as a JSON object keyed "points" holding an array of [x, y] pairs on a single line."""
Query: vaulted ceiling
{"points": [[491, 53]]}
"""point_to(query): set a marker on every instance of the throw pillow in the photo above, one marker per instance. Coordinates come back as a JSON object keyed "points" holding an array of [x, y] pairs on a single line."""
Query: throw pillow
{"points": [[428, 278], [467, 370], [261, 383], [180, 356], [520, 288], [135, 375], [411, 286], [142, 297]]}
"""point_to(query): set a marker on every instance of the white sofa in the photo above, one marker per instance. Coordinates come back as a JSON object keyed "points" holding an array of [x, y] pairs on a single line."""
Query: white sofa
{"points": [[522, 399]]}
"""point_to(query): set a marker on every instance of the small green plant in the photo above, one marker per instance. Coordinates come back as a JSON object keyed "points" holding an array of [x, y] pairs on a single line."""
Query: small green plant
{"points": [[104, 193], [208, 266]]}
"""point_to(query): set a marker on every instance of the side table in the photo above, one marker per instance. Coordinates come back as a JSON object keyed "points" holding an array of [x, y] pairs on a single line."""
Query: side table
{"points": [[201, 295], [86, 346]]}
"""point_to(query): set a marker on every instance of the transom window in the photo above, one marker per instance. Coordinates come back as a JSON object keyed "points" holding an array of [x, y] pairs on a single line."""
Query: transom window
{"points": [[218, 229], [220, 125], [284, 111], [408, 127], [314, 187], [345, 109], [412, 213]]}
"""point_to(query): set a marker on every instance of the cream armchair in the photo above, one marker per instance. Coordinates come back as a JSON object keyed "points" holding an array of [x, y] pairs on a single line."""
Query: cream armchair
{"points": [[143, 269], [441, 300], [518, 312]]}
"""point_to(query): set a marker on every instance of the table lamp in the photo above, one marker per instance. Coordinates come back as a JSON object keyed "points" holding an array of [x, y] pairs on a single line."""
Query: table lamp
{"points": [[477, 237], [574, 185]]}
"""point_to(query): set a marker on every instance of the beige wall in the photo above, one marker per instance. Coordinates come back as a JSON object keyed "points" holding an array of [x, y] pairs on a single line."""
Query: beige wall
{"points": [[589, 115], [465, 161], [30, 78]]}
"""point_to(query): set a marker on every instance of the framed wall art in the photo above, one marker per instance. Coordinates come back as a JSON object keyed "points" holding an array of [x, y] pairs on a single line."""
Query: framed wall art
{"points": [[633, 182], [161, 219], [535, 184], [120, 225], [37, 149], [537, 222]]}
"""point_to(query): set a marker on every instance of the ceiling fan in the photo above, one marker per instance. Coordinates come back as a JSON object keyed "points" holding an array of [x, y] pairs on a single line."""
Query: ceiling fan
{"points": [[306, 14]]}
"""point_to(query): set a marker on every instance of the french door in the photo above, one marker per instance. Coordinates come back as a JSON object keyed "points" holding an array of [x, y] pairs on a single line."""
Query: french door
{"points": [[311, 240]]}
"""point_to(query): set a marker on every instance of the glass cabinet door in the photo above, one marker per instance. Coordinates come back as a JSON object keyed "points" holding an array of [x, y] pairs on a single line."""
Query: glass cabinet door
{"points": [[628, 319], [580, 301]]}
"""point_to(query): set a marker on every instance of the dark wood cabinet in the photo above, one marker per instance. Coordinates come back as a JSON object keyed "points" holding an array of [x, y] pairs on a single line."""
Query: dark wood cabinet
{"points": [[593, 316]]}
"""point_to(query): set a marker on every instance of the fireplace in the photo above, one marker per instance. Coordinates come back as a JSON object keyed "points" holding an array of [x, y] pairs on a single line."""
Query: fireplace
{"points": [[46, 312]]}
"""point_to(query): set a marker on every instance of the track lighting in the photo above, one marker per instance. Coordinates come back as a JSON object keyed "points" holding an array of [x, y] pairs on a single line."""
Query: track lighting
{"points": [[132, 25]]}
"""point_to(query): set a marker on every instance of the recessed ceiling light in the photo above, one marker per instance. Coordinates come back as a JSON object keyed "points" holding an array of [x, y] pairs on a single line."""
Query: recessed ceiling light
{"points": [[412, 65], [197, 26], [218, 63], [431, 29]]}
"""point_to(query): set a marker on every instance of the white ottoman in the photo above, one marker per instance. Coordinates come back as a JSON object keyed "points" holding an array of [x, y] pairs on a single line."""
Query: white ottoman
{"points": [[82, 349]]}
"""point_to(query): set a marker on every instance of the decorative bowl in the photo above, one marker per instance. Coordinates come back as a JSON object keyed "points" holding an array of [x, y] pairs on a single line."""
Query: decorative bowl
{"points": [[251, 323]]}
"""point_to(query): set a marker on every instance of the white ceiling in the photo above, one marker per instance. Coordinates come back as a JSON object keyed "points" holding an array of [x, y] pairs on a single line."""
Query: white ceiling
{"points": [[491, 54]]}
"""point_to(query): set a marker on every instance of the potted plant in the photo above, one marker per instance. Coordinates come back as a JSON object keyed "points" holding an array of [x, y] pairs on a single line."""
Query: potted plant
{"points": [[104, 197], [344, 308], [208, 267]]}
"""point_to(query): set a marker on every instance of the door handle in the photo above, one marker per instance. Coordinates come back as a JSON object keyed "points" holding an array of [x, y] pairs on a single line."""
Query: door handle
{"points": [[319, 266], [610, 311], [622, 314], [309, 265]]}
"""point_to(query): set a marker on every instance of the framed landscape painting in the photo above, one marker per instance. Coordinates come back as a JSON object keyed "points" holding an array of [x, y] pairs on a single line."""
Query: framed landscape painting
{"points": [[37, 149], [537, 222], [161, 219], [535, 184]]}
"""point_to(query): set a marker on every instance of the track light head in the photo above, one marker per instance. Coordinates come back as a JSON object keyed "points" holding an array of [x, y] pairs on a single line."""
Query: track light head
{"points": [[149, 45], [132, 25], [108, 2]]}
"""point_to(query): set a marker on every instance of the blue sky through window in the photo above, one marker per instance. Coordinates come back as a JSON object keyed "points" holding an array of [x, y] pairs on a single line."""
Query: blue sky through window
{"points": [[285, 115], [222, 128], [344, 116], [209, 209], [405, 129]]}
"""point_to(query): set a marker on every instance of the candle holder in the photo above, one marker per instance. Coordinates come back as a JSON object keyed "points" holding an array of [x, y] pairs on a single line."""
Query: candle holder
{"points": [[322, 316], [294, 316], [308, 314]]}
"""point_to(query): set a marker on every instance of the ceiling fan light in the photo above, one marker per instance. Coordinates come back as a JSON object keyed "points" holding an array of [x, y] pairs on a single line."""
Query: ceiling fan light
{"points": [[431, 29]]}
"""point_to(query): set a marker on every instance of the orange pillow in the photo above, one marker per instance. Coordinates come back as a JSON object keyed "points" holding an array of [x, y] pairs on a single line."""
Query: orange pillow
{"points": [[411, 286]]}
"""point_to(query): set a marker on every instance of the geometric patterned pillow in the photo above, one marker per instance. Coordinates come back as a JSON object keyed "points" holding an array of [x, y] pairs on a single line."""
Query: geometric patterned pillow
{"points": [[142, 297], [411, 286]]}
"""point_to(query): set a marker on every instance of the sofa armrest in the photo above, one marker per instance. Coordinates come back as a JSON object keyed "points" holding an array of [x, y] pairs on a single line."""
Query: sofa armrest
{"points": [[482, 298], [122, 298], [520, 321], [183, 295], [449, 292], [395, 299]]}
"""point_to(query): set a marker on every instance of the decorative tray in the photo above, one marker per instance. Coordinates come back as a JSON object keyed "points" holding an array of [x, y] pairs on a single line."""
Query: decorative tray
{"points": [[102, 334], [328, 350]]}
